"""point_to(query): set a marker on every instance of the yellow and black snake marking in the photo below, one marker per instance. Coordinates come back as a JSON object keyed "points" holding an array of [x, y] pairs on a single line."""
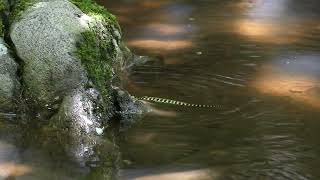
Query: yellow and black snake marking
{"points": [[174, 102]]}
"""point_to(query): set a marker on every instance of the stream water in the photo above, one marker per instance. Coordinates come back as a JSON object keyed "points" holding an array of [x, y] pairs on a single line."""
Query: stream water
{"points": [[259, 59]]}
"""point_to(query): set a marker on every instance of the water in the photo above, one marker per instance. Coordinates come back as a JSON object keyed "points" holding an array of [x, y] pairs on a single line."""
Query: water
{"points": [[259, 59]]}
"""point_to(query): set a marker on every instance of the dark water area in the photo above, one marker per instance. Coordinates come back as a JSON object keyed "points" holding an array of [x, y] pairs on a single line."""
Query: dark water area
{"points": [[259, 59]]}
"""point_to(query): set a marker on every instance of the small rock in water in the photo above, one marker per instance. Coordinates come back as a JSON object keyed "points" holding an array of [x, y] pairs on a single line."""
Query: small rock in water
{"points": [[99, 131], [199, 53]]}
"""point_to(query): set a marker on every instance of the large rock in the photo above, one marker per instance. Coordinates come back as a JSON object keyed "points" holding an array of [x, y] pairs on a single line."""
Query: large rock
{"points": [[8, 79], [79, 116], [68, 90], [45, 37]]}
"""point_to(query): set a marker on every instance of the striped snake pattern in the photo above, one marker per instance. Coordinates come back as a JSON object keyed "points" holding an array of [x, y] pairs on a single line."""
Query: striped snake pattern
{"points": [[174, 102]]}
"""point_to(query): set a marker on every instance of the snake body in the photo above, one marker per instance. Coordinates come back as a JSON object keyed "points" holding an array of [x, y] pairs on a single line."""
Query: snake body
{"points": [[174, 102]]}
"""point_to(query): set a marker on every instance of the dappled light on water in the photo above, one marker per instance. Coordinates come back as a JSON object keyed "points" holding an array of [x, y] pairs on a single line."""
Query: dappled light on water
{"points": [[166, 29], [202, 174], [300, 84], [10, 170], [266, 32], [268, 22], [160, 45], [298, 88]]}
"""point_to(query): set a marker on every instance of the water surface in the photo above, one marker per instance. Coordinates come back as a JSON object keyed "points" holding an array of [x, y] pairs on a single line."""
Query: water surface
{"points": [[259, 59]]}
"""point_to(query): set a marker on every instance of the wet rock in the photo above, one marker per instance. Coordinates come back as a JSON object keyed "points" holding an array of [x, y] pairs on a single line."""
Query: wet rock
{"points": [[8, 79], [77, 115], [70, 60], [45, 37], [84, 128], [129, 108]]}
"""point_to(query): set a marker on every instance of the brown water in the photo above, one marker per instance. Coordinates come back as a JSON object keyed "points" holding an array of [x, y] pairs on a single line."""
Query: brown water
{"points": [[259, 59]]}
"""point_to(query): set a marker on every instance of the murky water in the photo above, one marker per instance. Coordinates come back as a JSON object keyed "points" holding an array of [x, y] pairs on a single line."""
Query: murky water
{"points": [[259, 59]]}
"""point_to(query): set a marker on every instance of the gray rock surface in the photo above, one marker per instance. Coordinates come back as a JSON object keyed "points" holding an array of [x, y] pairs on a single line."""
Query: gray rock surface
{"points": [[8, 79], [78, 114], [44, 38]]}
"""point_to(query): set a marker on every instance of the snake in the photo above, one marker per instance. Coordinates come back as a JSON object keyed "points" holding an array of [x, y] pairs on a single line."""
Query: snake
{"points": [[174, 102]]}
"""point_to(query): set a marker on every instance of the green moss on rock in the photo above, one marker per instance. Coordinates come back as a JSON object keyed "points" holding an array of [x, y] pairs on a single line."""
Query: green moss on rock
{"points": [[96, 49], [2, 9], [1, 28], [91, 8], [93, 53], [2, 5], [19, 7]]}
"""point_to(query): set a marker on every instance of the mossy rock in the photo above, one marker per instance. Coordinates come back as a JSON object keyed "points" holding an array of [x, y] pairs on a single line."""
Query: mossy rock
{"points": [[3, 8]]}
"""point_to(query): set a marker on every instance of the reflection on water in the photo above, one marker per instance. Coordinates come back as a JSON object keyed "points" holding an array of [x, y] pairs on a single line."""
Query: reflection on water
{"points": [[296, 77], [270, 22], [202, 174], [9, 168], [258, 58], [159, 45]]}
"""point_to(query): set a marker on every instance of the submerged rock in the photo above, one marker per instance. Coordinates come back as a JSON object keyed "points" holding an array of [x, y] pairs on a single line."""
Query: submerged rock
{"points": [[8, 79]]}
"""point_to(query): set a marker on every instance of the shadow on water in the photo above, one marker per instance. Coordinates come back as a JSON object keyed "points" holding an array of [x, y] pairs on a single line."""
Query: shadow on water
{"points": [[257, 58]]}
